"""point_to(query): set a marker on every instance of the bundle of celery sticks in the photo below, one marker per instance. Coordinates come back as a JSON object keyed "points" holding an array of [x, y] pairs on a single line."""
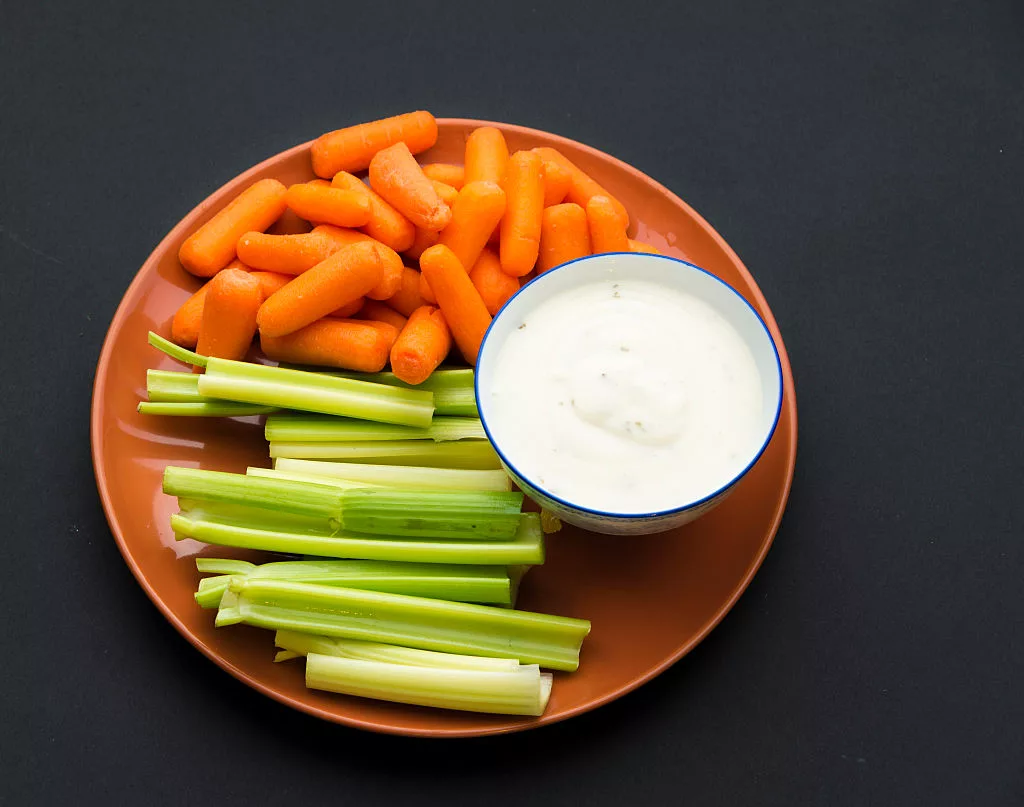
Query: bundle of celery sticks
{"points": [[412, 541]]}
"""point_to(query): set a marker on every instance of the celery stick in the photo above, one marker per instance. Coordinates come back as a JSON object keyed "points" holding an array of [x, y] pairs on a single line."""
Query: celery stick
{"points": [[302, 644], [245, 515], [508, 693], [299, 427], [466, 454], [286, 655], [169, 386], [223, 566], [175, 351], [527, 547], [397, 476], [453, 389], [211, 589], [315, 392], [451, 627], [210, 409], [473, 515], [459, 583], [270, 473], [280, 495]]}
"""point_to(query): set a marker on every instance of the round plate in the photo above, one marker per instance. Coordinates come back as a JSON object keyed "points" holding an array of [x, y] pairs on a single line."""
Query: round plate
{"points": [[651, 599]]}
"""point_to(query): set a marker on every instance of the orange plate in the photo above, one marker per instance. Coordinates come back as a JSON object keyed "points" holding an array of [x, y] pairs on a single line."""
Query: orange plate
{"points": [[651, 599]]}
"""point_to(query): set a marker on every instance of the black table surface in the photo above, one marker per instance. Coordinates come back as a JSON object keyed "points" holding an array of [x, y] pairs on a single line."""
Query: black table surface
{"points": [[866, 161]]}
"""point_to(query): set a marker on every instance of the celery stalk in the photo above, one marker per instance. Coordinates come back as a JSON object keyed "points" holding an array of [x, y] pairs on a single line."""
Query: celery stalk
{"points": [[175, 351], [302, 644], [510, 693], [459, 583], [453, 389], [527, 547], [414, 477], [299, 427], [210, 409], [280, 495], [467, 454], [428, 624], [169, 386], [270, 473], [223, 566], [473, 515], [315, 392], [245, 515]]}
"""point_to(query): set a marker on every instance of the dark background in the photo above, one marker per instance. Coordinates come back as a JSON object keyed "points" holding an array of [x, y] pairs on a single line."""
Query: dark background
{"points": [[863, 158]]}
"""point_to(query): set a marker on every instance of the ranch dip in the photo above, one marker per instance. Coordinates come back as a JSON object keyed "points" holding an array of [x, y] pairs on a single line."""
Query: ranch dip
{"points": [[626, 396]]}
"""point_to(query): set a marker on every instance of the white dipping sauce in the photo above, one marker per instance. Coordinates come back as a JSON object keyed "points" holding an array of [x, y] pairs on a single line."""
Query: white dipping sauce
{"points": [[626, 396]]}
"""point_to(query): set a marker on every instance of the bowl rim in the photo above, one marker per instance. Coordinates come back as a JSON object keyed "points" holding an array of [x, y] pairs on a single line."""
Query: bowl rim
{"points": [[656, 514]]}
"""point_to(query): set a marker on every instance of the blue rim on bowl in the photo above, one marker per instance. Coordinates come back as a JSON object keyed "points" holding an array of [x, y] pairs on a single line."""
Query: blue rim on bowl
{"points": [[658, 513]]}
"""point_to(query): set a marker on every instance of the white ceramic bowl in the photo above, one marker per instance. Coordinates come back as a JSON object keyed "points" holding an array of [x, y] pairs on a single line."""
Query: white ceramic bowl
{"points": [[670, 272]]}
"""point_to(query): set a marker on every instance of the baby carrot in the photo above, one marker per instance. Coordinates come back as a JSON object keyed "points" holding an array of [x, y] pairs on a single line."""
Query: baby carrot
{"points": [[344, 343], [407, 299], [486, 156], [187, 319], [564, 235], [557, 180], [349, 309], [493, 285], [271, 282], [454, 175], [343, 277], [339, 237], [642, 246], [425, 292], [423, 239], [476, 212], [327, 205], [352, 148], [229, 315], [386, 224], [581, 187], [395, 175], [374, 311], [422, 345], [447, 193], [520, 226], [212, 247], [291, 254], [607, 233], [460, 302]]}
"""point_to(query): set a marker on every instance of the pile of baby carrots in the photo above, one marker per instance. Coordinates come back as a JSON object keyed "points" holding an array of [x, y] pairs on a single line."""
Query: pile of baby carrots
{"points": [[346, 273]]}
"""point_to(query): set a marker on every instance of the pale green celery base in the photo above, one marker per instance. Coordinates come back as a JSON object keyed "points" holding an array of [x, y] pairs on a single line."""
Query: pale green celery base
{"points": [[463, 454], [304, 643], [515, 693], [296, 427], [315, 392], [398, 476], [526, 548], [171, 386], [417, 622], [511, 693]]}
